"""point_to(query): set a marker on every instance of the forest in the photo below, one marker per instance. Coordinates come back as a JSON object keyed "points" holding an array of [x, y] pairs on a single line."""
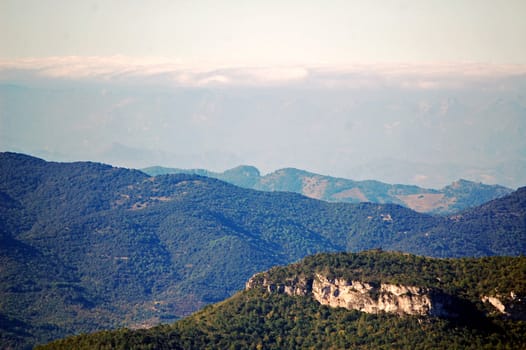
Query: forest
{"points": [[87, 246], [255, 319]]}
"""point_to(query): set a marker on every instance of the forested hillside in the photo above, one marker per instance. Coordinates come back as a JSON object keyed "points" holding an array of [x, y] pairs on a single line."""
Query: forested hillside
{"points": [[259, 319], [86, 246], [459, 195]]}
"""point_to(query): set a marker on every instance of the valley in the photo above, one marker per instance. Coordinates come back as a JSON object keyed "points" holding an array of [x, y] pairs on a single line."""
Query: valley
{"points": [[87, 246], [281, 308]]}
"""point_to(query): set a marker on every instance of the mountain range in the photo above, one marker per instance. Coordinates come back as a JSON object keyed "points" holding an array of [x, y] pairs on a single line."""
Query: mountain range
{"points": [[87, 246], [370, 300], [459, 195], [395, 134]]}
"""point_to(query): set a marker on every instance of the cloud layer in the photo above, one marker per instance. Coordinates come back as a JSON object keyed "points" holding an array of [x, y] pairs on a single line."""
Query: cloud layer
{"points": [[348, 121], [158, 70]]}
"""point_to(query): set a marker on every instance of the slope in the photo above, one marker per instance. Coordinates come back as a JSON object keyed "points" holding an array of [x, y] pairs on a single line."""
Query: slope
{"points": [[458, 196], [269, 318], [88, 246]]}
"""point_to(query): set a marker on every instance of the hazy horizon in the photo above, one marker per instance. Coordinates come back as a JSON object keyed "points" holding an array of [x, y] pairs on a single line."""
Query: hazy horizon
{"points": [[409, 92]]}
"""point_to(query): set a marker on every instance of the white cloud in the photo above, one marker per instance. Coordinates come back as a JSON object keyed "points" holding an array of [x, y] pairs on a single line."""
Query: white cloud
{"points": [[214, 79], [277, 74], [420, 178], [122, 68], [160, 70]]}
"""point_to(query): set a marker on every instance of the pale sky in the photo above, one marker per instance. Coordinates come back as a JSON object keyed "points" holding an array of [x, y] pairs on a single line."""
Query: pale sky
{"points": [[422, 92], [236, 32]]}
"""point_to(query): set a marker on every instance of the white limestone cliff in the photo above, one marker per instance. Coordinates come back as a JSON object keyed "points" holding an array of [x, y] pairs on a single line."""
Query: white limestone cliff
{"points": [[362, 296], [356, 295]]}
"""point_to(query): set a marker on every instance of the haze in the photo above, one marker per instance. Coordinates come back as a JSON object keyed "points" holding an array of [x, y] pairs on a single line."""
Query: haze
{"points": [[421, 92]]}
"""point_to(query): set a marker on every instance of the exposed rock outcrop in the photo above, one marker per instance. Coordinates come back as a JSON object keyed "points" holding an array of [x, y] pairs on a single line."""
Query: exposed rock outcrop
{"points": [[362, 296], [512, 305], [356, 295]]}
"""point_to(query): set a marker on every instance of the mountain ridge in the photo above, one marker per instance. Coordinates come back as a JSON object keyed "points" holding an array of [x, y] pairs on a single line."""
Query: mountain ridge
{"points": [[279, 310], [452, 198], [87, 246]]}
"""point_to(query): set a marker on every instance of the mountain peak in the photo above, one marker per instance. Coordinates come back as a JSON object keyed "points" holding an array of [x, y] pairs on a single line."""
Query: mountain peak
{"points": [[458, 196], [245, 170], [83, 236]]}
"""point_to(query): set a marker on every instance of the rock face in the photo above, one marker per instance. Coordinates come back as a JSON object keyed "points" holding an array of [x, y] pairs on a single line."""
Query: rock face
{"points": [[356, 295], [512, 305], [362, 296]]}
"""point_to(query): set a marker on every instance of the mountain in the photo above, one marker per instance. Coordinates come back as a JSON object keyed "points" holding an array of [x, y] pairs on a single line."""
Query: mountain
{"points": [[419, 135], [87, 246], [458, 196], [370, 300], [428, 174], [244, 175]]}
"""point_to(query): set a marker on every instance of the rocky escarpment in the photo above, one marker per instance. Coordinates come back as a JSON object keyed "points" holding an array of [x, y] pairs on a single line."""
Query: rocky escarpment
{"points": [[363, 296], [512, 305], [371, 298], [384, 297]]}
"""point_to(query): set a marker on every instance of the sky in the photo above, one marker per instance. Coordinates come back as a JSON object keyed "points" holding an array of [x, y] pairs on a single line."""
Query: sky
{"points": [[267, 32], [421, 92]]}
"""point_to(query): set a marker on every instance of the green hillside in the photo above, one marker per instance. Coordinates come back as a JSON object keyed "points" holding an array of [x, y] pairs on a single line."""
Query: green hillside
{"points": [[86, 246], [257, 319], [458, 196]]}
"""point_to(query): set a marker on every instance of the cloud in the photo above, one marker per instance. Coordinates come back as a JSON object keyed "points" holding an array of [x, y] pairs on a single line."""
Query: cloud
{"points": [[214, 79], [277, 74], [123, 68], [164, 71], [420, 178]]}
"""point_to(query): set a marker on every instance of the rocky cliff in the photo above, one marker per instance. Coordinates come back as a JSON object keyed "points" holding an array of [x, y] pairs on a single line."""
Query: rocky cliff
{"points": [[384, 297], [362, 296], [366, 297], [512, 305]]}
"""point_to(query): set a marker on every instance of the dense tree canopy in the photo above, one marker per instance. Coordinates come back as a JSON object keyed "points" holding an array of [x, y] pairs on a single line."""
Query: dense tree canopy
{"points": [[254, 319], [86, 246]]}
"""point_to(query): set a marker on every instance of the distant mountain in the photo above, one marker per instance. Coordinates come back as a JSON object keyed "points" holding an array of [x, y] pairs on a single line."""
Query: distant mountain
{"points": [[244, 175], [458, 196], [431, 175], [371, 300], [420, 135], [87, 246]]}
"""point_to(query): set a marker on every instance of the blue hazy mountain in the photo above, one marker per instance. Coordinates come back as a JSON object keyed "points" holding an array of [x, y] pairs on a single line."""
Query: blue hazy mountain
{"points": [[87, 246], [458, 196], [425, 137]]}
